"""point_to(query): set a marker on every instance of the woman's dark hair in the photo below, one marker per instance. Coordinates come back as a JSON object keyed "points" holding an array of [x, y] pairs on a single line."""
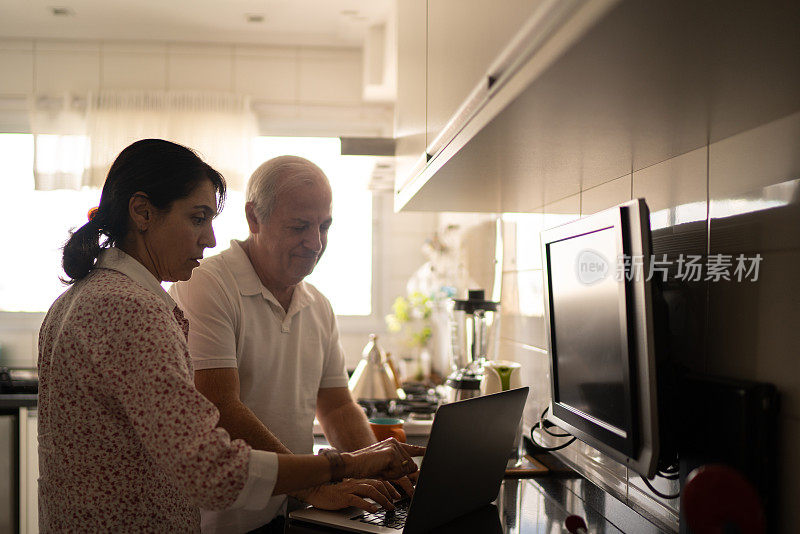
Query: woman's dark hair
{"points": [[163, 170]]}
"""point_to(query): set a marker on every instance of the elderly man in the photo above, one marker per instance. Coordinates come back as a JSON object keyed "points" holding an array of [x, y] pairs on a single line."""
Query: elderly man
{"points": [[265, 344]]}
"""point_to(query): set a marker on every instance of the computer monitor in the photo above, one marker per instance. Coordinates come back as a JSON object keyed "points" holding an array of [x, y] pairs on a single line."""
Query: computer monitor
{"points": [[600, 333]]}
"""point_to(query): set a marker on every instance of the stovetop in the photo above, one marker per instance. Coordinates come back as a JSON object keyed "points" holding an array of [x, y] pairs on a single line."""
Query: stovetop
{"points": [[19, 381], [416, 410]]}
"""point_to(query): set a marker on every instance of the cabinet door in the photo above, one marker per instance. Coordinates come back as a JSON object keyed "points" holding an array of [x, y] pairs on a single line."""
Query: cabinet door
{"points": [[32, 497], [7, 481], [410, 106], [28, 471], [464, 38]]}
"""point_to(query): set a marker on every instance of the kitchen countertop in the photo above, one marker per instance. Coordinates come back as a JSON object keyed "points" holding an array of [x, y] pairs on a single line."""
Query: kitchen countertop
{"points": [[533, 505], [537, 505]]}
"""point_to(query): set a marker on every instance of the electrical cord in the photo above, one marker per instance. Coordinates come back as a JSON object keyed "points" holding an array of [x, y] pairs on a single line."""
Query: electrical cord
{"points": [[662, 495], [670, 469], [540, 424], [669, 473], [545, 426]]}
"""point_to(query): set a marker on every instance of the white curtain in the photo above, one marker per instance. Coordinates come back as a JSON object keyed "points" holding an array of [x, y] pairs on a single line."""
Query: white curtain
{"points": [[219, 127], [61, 148]]}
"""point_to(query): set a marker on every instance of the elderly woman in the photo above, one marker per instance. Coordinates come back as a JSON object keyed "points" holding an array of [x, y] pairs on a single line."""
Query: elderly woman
{"points": [[126, 442]]}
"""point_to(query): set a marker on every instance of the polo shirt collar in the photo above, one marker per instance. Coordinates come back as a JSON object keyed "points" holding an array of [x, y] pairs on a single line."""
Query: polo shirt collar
{"points": [[246, 278], [116, 259], [250, 284]]}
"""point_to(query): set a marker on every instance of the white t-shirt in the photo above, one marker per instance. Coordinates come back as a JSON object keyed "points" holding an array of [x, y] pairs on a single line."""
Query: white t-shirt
{"points": [[283, 357]]}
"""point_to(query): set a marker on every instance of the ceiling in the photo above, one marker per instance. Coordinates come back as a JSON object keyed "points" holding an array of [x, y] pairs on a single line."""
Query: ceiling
{"points": [[285, 22]]}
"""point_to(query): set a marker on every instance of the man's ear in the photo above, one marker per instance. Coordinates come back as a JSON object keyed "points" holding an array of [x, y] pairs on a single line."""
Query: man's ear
{"points": [[140, 211], [252, 218]]}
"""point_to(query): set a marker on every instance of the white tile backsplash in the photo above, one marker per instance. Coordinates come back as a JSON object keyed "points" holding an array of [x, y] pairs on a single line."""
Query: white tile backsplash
{"points": [[676, 190], [562, 211], [742, 331], [756, 158], [759, 346], [606, 195]]}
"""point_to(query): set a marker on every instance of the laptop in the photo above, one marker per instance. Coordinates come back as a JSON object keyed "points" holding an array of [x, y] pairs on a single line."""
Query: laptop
{"points": [[462, 469]]}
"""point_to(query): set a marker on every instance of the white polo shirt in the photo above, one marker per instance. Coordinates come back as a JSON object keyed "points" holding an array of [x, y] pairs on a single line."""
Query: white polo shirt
{"points": [[283, 357]]}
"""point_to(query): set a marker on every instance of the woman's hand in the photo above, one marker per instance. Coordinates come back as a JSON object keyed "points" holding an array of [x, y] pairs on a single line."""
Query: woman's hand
{"points": [[351, 492], [388, 459]]}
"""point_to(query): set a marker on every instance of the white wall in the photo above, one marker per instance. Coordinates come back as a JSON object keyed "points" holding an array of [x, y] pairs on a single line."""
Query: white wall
{"points": [[295, 90]]}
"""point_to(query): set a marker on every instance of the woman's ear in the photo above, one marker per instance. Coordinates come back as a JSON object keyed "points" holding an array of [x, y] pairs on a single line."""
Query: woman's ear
{"points": [[140, 211]]}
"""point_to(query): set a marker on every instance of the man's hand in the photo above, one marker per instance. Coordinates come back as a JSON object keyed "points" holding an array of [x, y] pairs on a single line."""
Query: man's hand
{"points": [[351, 492], [387, 459], [407, 483]]}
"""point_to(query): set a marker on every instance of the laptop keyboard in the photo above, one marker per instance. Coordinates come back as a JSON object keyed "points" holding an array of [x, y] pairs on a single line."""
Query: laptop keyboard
{"points": [[387, 518]]}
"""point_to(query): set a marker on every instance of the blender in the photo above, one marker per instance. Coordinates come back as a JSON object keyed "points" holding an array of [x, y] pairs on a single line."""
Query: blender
{"points": [[473, 330]]}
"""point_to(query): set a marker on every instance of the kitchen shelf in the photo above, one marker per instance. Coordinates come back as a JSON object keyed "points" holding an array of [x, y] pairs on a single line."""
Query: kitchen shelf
{"points": [[607, 88]]}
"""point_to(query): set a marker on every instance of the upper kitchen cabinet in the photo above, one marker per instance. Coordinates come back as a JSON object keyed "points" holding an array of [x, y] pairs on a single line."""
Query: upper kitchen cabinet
{"points": [[410, 104], [588, 91], [445, 48], [464, 38]]}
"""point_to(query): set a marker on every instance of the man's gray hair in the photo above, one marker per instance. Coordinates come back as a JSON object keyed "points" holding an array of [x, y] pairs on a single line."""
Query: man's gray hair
{"points": [[276, 176]]}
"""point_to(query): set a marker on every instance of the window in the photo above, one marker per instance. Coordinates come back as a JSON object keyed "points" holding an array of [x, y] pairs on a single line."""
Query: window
{"points": [[36, 222], [344, 273]]}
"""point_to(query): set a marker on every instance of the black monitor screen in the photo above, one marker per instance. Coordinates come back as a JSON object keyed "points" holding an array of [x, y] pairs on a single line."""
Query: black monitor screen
{"points": [[589, 350]]}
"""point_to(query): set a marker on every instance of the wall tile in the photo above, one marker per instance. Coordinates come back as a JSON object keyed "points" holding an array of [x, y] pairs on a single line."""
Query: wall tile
{"points": [[676, 190], [759, 157], [521, 241], [16, 67], [267, 73], [535, 374], [752, 327], [758, 221], [509, 230], [522, 308], [676, 194], [478, 245], [789, 481], [749, 336], [330, 76], [562, 211], [606, 195]]}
